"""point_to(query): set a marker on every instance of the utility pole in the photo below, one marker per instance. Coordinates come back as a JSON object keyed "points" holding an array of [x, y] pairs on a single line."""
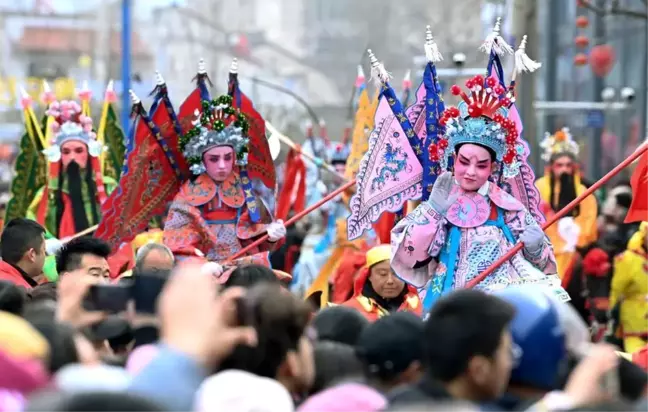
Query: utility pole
{"points": [[126, 63], [596, 150]]}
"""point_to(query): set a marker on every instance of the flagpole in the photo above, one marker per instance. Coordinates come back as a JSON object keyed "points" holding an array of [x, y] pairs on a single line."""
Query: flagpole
{"points": [[294, 219], [641, 150], [126, 63]]}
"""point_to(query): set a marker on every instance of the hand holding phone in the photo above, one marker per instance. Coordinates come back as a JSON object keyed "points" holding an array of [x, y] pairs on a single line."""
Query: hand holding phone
{"points": [[108, 298]]}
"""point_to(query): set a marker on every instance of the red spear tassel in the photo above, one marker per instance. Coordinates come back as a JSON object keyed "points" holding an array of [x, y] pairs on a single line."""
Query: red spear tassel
{"points": [[292, 220], [644, 147]]}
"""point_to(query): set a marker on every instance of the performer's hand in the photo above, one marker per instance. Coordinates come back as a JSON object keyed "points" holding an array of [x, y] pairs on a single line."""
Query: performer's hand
{"points": [[440, 198], [533, 238], [276, 230], [52, 246], [212, 269]]}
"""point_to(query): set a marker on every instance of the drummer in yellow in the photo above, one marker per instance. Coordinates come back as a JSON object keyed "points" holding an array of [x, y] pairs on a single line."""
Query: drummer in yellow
{"points": [[630, 291], [558, 187]]}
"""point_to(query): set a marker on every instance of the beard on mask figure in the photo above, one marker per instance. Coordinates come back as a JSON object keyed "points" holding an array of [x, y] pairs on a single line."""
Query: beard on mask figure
{"points": [[566, 194], [73, 174]]}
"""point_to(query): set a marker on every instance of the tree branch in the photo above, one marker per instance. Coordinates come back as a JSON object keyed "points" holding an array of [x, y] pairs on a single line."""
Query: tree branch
{"points": [[615, 10]]}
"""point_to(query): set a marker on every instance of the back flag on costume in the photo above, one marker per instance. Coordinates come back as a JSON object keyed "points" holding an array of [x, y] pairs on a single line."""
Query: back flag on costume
{"points": [[387, 178], [522, 184]]}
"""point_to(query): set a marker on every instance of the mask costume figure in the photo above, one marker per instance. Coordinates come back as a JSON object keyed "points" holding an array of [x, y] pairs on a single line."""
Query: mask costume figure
{"points": [[70, 201], [476, 210], [215, 214], [315, 248], [561, 185], [335, 281]]}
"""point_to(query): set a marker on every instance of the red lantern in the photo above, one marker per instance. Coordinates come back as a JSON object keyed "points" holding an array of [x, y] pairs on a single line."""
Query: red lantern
{"points": [[582, 22], [602, 58], [580, 59], [581, 41]]}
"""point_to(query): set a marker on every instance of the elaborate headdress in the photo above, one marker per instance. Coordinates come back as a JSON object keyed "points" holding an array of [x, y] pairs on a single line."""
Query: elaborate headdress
{"points": [[483, 116], [219, 124], [561, 142], [70, 124]]}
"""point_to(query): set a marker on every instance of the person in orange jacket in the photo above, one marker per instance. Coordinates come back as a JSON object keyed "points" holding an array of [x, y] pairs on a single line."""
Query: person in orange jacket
{"points": [[378, 292]]}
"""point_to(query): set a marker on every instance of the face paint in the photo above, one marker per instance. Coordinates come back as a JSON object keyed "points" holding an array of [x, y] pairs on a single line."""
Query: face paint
{"points": [[74, 150], [473, 167], [219, 162], [562, 165]]}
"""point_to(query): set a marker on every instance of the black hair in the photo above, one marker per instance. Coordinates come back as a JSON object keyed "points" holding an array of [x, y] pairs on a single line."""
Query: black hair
{"points": [[60, 337], [250, 275], [44, 291], [461, 325], [70, 256], [20, 235], [280, 320], [339, 324], [12, 298], [334, 363], [491, 152]]}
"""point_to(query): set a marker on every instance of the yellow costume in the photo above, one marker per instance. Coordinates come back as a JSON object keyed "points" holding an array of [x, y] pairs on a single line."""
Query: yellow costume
{"points": [[630, 289], [563, 239]]}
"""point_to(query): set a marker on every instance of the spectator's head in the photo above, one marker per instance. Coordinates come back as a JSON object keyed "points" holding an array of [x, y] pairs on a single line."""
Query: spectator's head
{"points": [[12, 298], [250, 275], [44, 291], [391, 350], [154, 256], [467, 344], [539, 337], [334, 363], [91, 401], [86, 253], [339, 324], [285, 350], [23, 245], [381, 276]]}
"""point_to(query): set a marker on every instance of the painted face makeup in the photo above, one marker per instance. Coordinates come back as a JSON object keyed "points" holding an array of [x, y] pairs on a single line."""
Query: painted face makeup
{"points": [[219, 162], [74, 150], [472, 167], [562, 165]]}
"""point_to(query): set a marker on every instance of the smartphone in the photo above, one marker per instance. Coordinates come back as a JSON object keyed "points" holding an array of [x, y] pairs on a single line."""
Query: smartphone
{"points": [[108, 298], [146, 290]]}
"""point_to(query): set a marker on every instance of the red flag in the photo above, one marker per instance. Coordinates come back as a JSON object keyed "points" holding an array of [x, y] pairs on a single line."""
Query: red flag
{"points": [[638, 211], [293, 194], [260, 164], [148, 184], [384, 225]]}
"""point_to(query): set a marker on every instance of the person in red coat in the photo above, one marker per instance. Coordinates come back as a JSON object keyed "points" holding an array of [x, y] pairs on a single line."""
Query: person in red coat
{"points": [[378, 292], [22, 248]]}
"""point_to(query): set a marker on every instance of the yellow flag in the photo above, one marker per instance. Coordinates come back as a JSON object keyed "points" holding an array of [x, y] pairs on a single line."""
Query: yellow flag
{"points": [[363, 124]]}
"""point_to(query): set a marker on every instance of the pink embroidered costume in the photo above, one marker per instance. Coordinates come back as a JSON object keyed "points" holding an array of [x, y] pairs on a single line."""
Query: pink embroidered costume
{"points": [[216, 213], [468, 223], [197, 167], [468, 167]]}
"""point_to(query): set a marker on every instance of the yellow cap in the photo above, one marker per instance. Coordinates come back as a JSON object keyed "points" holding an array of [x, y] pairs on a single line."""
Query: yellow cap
{"points": [[19, 339], [378, 254], [152, 236]]}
